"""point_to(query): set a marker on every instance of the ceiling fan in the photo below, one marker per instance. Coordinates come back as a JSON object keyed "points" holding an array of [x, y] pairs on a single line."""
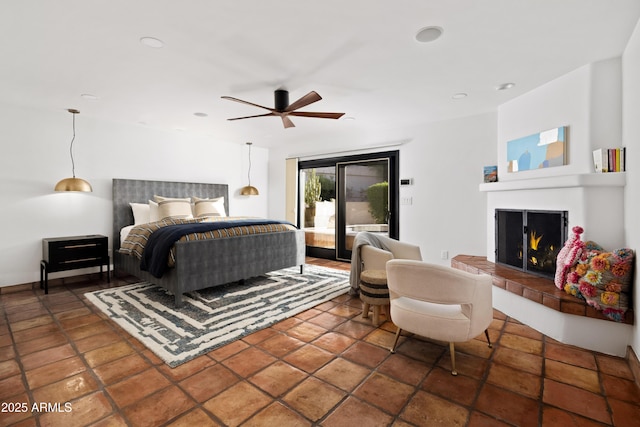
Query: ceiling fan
{"points": [[283, 109]]}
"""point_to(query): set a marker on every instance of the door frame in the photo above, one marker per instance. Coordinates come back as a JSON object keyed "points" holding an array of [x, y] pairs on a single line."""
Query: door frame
{"points": [[394, 195]]}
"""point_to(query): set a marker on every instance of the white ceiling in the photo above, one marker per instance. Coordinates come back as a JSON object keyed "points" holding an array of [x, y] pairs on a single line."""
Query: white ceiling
{"points": [[361, 56]]}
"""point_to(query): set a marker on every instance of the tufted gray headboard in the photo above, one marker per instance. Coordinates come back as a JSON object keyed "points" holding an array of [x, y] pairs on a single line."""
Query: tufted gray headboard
{"points": [[127, 191]]}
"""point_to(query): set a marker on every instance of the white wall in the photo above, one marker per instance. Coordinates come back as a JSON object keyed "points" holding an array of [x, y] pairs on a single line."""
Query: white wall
{"points": [[445, 160], [35, 155], [631, 139], [588, 100]]}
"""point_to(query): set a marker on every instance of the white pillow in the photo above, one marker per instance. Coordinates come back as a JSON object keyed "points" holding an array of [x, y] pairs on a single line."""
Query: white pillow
{"points": [[154, 215], [141, 213], [208, 207], [124, 233], [173, 207]]}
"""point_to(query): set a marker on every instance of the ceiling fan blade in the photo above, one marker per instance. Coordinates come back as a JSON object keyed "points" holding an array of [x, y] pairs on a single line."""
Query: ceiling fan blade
{"points": [[251, 117], [286, 121], [230, 98], [309, 98], [317, 115]]}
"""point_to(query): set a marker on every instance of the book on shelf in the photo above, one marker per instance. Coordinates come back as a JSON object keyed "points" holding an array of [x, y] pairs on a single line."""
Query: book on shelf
{"points": [[601, 160], [609, 160]]}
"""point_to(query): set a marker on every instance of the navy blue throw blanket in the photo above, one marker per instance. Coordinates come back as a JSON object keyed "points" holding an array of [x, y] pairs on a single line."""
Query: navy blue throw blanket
{"points": [[156, 251]]}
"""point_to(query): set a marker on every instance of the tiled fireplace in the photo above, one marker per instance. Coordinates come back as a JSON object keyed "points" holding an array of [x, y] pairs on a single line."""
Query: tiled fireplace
{"points": [[592, 201]]}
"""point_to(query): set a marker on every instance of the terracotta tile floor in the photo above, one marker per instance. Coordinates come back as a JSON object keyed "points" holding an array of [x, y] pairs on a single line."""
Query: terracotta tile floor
{"points": [[327, 366]]}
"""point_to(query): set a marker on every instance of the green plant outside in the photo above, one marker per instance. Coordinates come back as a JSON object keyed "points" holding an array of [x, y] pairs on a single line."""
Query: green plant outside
{"points": [[378, 198], [328, 186], [312, 189]]}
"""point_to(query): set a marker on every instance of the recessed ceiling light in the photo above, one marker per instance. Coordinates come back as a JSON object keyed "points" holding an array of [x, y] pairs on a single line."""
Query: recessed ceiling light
{"points": [[459, 95], [200, 114], [89, 96], [152, 42], [428, 34], [349, 118], [505, 86]]}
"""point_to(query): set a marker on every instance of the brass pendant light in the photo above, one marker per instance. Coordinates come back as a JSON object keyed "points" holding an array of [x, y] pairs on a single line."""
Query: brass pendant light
{"points": [[73, 184], [249, 190]]}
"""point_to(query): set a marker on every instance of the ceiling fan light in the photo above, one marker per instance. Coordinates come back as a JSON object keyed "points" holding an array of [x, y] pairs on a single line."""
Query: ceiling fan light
{"points": [[283, 109], [73, 184]]}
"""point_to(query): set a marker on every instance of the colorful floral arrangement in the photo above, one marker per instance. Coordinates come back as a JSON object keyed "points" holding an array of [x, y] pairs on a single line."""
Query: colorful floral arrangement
{"points": [[603, 279]]}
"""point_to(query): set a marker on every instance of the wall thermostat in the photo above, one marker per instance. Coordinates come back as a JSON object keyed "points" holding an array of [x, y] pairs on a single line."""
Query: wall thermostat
{"points": [[406, 181]]}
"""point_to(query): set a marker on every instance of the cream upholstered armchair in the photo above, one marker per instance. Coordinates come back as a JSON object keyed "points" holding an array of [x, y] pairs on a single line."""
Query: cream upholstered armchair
{"points": [[371, 251], [376, 259], [368, 270], [439, 302]]}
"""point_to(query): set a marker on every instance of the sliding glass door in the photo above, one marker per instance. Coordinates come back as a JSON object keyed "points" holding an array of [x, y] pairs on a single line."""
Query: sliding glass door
{"points": [[318, 209], [364, 196], [341, 196]]}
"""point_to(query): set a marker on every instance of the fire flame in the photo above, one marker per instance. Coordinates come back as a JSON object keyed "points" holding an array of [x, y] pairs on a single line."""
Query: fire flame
{"points": [[534, 241]]}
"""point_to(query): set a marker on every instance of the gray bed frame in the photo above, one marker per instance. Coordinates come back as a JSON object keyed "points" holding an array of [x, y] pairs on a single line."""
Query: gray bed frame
{"points": [[203, 263]]}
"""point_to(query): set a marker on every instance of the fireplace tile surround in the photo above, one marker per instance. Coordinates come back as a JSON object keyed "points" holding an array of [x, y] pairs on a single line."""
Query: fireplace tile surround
{"points": [[534, 288]]}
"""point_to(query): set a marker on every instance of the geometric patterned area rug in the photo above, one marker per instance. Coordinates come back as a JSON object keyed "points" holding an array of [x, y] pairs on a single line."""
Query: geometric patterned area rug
{"points": [[212, 317]]}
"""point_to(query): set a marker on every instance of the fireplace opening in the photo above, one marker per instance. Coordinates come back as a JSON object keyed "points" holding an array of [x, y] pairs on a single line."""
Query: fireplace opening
{"points": [[530, 240]]}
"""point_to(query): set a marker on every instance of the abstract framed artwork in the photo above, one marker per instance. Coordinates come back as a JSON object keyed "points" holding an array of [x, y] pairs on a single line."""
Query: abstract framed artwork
{"points": [[538, 151], [490, 173]]}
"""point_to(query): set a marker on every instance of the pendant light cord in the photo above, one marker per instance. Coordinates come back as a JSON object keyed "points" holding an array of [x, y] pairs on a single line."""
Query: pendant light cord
{"points": [[249, 171], [73, 164]]}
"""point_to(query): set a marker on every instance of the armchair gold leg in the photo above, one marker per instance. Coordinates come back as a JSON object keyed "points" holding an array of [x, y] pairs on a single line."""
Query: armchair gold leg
{"points": [[486, 333], [452, 350], [395, 342]]}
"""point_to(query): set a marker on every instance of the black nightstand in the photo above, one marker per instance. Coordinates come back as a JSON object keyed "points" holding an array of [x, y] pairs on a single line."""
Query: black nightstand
{"points": [[70, 253]]}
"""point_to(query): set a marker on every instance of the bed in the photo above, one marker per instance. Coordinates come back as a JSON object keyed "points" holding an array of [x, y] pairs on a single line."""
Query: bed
{"points": [[203, 263]]}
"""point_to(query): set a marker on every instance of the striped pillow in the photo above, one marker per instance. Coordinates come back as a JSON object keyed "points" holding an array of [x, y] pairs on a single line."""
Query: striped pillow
{"points": [[173, 207], [208, 207]]}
